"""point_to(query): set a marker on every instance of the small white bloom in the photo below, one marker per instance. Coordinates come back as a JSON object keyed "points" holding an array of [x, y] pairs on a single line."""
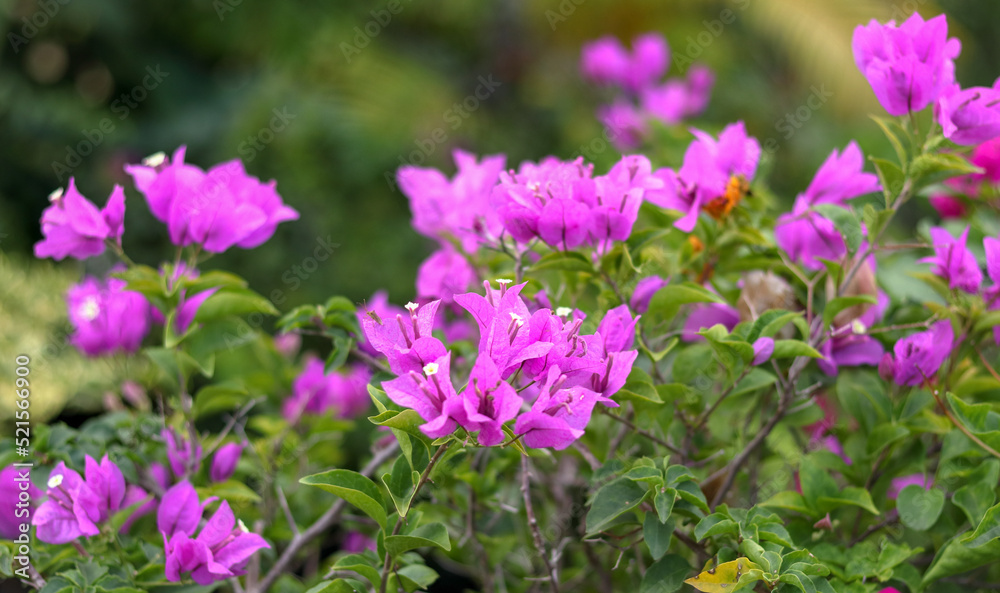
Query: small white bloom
{"points": [[431, 368], [55, 195], [859, 327], [90, 309], [155, 160], [243, 526], [411, 307], [564, 311], [517, 319], [503, 281], [55, 481]]}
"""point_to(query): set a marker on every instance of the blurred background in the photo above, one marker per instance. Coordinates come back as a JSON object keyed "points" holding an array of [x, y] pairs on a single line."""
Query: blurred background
{"points": [[330, 98]]}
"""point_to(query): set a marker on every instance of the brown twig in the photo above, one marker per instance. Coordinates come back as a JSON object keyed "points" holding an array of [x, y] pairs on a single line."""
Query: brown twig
{"points": [[536, 533], [642, 432]]}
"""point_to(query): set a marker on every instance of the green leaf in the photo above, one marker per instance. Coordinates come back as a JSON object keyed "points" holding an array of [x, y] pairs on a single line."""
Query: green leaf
{"points": [[612, 500], [645, 473], [360, 564], [788, 500], [219, 397], [338, 586], [666, 575], [668, 300], [657, 535], [918, 508], [770, 323], [853, 496], [570, 261], [408, 421], [891, 177], [930, 167], [399, 482], [956, 557], [816, 483], [876, 220], [639, 387], [838, 304], [233, 301], [431, 534], [728, 576], [755, 380], [863, 396], [354, 488], [887, 128], [974, 500], [885, 435], [231, 490], [715, 524], [793, 349], [845, 221], [664, 503], [987, 531], [797, 580], [417, 576]]}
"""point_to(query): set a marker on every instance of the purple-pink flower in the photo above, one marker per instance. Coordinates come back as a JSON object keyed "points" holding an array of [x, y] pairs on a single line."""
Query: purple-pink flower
{"points": [[678, 99], [107, 318], [220, 550], [908, 66], [918, 357], [17, 494], [458, 208], [75, 505], [713, 176], [606, 61], [953, 261], [444, 274], [804, 234], [216, 209], [72, 226], [184, 454], [970, 116], [898, 484], [224, 461], [431, 393], [644, 291], [315, 391], [851, 345], [559, 414]]}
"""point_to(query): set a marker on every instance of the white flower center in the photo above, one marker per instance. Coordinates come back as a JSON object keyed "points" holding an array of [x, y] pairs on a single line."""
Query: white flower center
{"points": [[55, 481], [56, 195], [502, 281], [431, 368], [564, 311], [89, 309], [859, 327], [154, 160], [411, 307]]}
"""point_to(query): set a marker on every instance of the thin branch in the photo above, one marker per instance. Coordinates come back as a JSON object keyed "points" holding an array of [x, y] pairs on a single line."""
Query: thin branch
{"points": [[328, 519], [704, 416], [536, 533], [644, 433], [288, 511]]}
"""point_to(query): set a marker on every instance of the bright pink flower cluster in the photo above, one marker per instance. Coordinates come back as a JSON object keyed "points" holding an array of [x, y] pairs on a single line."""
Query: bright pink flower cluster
{"points": [[220, 550], [535, 359], [566, 206], [607, 62], [912, 65], [74, 227], [106, 318], [75, 505], [317, 392]]}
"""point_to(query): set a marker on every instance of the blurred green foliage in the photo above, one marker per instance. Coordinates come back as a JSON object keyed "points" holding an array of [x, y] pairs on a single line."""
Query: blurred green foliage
{"points": [[363, 89]]}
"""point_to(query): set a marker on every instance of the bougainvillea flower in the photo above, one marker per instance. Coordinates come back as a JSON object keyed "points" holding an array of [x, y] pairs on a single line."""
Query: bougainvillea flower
{"points": [[606, 61], [706, 316], [431, 393], [919, 356], [677, 99], [14, 481], [76, 505], [763, 348], [806, 236], [947, 206], [644, 291], [970, 116], [180, 510], [184, 454], [908, 66], [851, 345], [505, 326], [953, 261], [559, 415], [840, 178], [713, 175], [625, 124], [489, 401], [224, 461], [217, 209], [897, 484], [377, 307], [187, 308], [106, 318], [407, 343], [444, 274], [221, 549], [315, 391], [458, 208], [72, 226]]}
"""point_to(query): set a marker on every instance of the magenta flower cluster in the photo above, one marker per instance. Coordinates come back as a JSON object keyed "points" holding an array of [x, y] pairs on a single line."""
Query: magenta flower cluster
{"points": [[607, 62], [537, 360], [912, 65]]}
